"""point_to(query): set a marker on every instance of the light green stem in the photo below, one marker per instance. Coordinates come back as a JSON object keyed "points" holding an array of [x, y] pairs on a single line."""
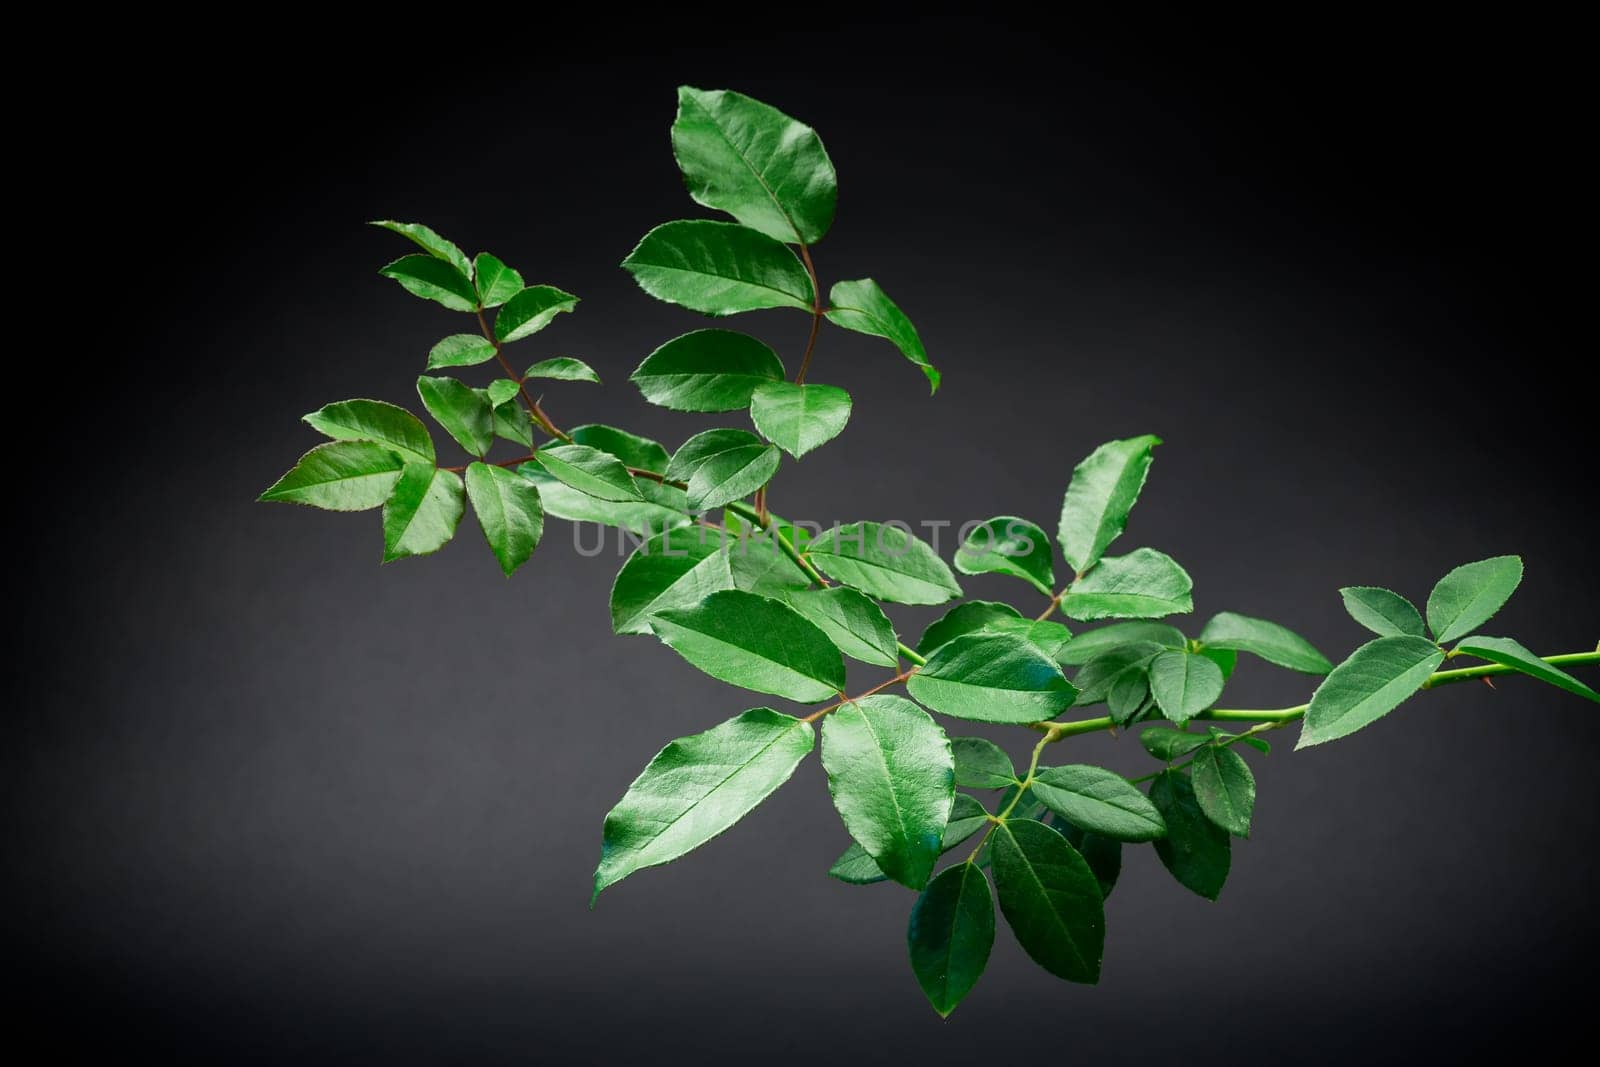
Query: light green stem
{"points": [[1489, 669], [738, 507]]}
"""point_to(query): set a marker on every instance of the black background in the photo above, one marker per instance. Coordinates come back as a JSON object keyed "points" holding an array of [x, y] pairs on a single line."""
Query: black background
{"points": [[268, 800]]}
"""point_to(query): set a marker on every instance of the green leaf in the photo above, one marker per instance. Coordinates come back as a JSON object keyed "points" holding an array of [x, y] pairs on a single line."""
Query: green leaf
{"points": [[1009, 545], [970, 617], [707, 370], [464, 413], [1048, 637], [1225, 788], [759, 565], [508, 509], [663, 507], [589, 470], [982, 764], [1273, 643], [496, 282], [856, 625], [563, 369], [435, 245], [885, 561], [511, 421], [1195, 850], [1095, 679], [422, 513], [1098, 800], [855, 867], [992, 678], [721, 466], [461, 350], [500, 391], [754, 642], [1129, 694], [950, 935], [1102, 854], [799, 418], [864, 307], [433, 279], [1091, 643], [1469, 596], [751, 160], [1384, 613], [1144, 584], [892, 781], [1184, 684], [1509, 653], [1104, 488], [718, 268], [1376, 678], [373, 420], [1051, 899], [675, 569], [696, 788], [339, 476], [1165, 743], [1226, 660], [531, 311]]}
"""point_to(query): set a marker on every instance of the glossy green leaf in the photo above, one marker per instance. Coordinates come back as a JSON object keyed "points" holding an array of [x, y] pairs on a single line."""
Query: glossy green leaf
{"points": [[1051, 899], [1165, 743], [707, 370], [640, 453], [393, 427], [1104, 488], [1087, 645], [751, 160], [892, 780], [433, 279], [992, 678], [1273, 643], [500, 391], [1095, 679], [1102, 854], [421, 515], [799, 418], [1509, 653], [1009, 545], [1195, 850], [1048, 637], [1144, 584], [855, 867], [1469, 596], [886, 562], [675, 569], [641, 517], [511, 421], [496, 282], [531, 311], [1184, 684], [1096, 799], [982, 764], [339, 476], [856, 625], [464, 413], [969, 617], [864, 307], [461, 350], [950, 935], [721, 466], [1226, 660], [563, 369], [696, 788], [426, 238], [589, 470], [719, 268], [1384, 613], [508, 510], [1374, 681], [759, 564], [754, 642], [1224, 788]]}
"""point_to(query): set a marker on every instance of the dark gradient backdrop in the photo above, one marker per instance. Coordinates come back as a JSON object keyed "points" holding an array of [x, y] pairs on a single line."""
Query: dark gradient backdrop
{"points": [[268, 800]]}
